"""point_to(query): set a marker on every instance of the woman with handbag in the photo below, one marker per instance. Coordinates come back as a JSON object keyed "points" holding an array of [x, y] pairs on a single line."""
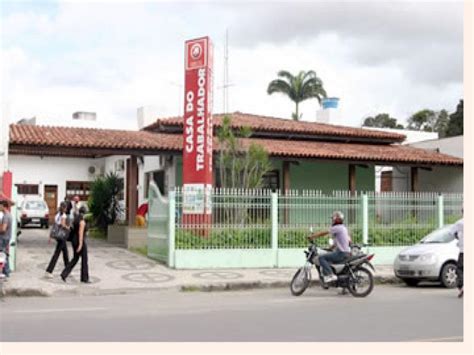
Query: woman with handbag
{"points": [[79, 246], [59, 232]]}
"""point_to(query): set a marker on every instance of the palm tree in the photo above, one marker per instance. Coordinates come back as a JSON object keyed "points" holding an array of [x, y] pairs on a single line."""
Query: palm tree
{"points": [[305, 85]]}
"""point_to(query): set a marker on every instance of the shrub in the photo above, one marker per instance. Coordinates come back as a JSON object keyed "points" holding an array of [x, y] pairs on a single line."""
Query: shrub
{"points": [[292, 238], [103, 201]]}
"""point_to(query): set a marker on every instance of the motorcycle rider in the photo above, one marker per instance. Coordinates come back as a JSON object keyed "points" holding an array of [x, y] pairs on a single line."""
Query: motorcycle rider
{"points": [[342, 240]]}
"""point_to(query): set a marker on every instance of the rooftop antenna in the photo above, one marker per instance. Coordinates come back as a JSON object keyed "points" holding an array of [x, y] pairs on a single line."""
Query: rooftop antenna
{"points": [[225, 83]]}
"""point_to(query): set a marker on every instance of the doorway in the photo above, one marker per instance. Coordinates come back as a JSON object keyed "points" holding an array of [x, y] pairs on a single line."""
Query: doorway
{"points": [[51, 198]]}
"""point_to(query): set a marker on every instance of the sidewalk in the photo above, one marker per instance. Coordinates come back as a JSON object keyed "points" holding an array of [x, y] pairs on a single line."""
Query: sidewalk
{"points": [[115, 270]]}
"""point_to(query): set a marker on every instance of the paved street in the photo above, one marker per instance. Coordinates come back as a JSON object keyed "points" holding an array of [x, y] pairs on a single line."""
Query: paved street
{"points": [[391, 313]]}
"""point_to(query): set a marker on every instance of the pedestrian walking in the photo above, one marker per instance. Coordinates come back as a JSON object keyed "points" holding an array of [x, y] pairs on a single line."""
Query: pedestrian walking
{"points": [[458, 231], [61, 246], [79, 236], [5, 234]]}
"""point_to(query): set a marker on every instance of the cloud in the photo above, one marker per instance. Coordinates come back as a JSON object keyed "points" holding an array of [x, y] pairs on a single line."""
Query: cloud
{"points": [[414, 35], [113, 57]]}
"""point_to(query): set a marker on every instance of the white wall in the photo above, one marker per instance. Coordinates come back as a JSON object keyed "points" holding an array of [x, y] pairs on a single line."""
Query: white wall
{"points": [[51, 171], [152, 163], [57, 170], [451, 145], [440, 179], [411, 136]]}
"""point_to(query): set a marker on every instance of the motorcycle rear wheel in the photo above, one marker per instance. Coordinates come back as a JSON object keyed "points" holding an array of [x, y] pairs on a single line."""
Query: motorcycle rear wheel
{"points": [[300, 282], [365, 277]]}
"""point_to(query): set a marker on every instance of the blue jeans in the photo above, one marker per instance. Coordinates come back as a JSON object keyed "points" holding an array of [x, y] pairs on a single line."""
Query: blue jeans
{"points": [[331, 258], [4, 245]]}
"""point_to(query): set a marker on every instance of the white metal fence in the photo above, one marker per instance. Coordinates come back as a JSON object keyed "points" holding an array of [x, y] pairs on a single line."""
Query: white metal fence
{"points": [[257, 219]]}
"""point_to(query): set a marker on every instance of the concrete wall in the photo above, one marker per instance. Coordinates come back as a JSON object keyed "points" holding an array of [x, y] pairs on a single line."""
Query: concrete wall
{"points": [[440, 179], [451, 145], [51, 171]]}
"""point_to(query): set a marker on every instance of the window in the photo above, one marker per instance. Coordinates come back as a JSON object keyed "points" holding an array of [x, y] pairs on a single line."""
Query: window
{"points": [[121, 194], [271, 180], [35, 205], [27, 189], [78, 188]]}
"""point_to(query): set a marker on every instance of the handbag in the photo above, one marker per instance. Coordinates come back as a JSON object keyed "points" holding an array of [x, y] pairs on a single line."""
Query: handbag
{"points": [[59, 233]]}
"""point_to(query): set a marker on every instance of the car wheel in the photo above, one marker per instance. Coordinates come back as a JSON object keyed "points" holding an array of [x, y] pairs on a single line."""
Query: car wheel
{"points": [[411, 282], [449, 275]]}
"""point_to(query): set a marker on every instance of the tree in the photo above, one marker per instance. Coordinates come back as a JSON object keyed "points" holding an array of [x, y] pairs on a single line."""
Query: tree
{"points": [[240, 168], [455, 126], [382, 120], [442, 122], [103, 201], [430, 121], [423, 120], [304, 86]]}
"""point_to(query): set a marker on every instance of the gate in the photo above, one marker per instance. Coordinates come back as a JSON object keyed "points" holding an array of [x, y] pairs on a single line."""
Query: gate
{"points": [[158, 225]]}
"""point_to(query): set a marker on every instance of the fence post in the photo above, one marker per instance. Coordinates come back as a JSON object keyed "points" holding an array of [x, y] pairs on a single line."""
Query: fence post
{"points": [[171, 227], [440, 210], [13, 211], [365, 219], [274, 208]]}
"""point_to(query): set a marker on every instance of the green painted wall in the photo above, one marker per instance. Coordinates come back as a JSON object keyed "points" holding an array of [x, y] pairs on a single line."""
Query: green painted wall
{"points": [[319, 176], [329, 176], [313, 175], [365, 178]]}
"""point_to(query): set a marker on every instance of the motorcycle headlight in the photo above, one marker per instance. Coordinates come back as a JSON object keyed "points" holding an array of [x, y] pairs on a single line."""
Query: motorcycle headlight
{"points": [[427, 258]]}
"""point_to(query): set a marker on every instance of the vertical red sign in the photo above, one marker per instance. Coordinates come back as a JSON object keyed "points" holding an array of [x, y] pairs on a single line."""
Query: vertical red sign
{"points": [[197, 131]]}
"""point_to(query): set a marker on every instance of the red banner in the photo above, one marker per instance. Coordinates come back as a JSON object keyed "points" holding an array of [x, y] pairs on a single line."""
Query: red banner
{"points": [[197, 131]]}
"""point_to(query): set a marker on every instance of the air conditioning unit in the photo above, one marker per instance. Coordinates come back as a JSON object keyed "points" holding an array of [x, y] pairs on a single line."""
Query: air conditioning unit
{"points": [[119, 165], [92, 170], [96, 171]]}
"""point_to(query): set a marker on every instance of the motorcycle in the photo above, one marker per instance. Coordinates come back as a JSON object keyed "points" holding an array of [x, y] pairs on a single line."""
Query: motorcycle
{"points": [[353, 274]]}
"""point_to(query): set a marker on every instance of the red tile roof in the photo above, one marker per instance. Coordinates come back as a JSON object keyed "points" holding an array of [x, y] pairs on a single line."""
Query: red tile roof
{"points": [[71, 137], [259, 123], [39, 140]]}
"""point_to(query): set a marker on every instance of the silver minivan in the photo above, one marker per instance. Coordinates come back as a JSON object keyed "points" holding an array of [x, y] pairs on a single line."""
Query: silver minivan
{"points": [[433, 258]]}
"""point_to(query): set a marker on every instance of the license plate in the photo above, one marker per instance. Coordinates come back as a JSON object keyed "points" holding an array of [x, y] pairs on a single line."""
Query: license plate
{"points": [[37, 220], [404, 267]]}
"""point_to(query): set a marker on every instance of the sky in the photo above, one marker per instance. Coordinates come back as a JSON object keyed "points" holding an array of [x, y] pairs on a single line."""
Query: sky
{"points": [[111, 57]]}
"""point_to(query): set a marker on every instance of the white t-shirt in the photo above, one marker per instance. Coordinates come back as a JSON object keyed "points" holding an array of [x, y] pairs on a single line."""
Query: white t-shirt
{"points": [[59, 217], [457, 230]]}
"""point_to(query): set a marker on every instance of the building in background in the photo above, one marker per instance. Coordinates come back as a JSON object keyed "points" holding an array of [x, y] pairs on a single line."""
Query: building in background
{"points": [[53, 163]]}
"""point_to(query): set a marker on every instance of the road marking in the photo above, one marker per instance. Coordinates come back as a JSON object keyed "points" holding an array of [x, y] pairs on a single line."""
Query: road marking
{"points": [[60, 310], [453, 338]]}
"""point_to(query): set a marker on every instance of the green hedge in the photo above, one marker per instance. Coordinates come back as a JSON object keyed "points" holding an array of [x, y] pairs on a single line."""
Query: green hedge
{"points": [[292, 238], [228, 238]]}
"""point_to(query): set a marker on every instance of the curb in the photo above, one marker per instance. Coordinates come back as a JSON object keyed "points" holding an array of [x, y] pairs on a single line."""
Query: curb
{"points": [[238, 286], [25, 292], [210, 287]]}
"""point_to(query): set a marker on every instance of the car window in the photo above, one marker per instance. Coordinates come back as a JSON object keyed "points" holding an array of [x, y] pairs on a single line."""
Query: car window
{"points": [[441, 235], [35, 205]]}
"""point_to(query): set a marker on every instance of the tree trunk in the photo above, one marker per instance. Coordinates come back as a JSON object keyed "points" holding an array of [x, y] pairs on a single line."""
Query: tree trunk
{"points": [[297, 113]]}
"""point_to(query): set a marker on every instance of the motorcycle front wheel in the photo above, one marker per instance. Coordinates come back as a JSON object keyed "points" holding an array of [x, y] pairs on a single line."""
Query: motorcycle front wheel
{"points": [[300, 282], [363, 283]]}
